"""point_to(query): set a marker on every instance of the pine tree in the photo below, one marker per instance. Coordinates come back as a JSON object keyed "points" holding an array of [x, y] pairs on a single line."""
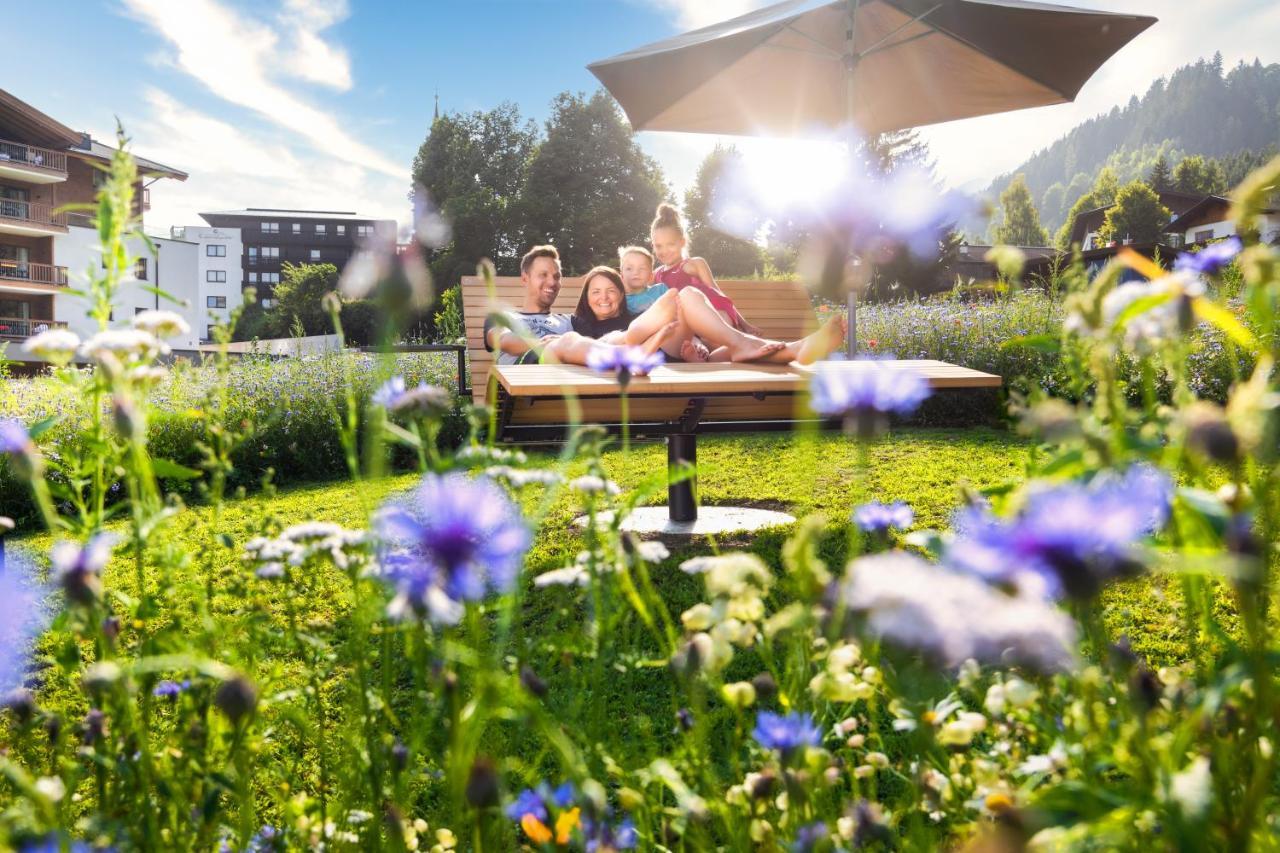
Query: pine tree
{"points": [[1021, 225], [1160, 178]]}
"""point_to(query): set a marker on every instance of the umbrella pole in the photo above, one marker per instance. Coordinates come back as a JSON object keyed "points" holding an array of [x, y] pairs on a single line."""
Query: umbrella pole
{"points": [[851, 69]]}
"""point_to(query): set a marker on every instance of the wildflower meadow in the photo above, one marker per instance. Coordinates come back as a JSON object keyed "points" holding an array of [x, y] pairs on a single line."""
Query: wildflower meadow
{"points": [[183, 668]]}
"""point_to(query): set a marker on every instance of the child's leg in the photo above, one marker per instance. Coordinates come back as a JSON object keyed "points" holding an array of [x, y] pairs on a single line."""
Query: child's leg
{"points": [[657, 315], [705, 321]]}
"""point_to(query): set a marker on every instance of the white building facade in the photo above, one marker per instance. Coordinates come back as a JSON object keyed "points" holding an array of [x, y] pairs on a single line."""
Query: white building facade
{"points": [[172, 269], [219, 273]]}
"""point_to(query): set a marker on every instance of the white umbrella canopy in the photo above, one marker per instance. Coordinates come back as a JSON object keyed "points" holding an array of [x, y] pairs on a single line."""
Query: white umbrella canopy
{"points": [[881, 64]]}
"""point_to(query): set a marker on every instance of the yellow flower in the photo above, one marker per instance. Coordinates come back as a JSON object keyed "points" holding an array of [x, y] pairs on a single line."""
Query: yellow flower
{"points": [[998, 803], [566, 824], [536, 830]]}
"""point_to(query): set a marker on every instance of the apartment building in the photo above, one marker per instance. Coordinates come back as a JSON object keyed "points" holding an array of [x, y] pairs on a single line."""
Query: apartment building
{"points": [[44, 166], [273, 237], [219, 276]]}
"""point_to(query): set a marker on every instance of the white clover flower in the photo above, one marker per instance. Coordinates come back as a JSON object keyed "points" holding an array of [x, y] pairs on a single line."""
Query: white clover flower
{"points": [[592, 485], [1054, 759], [699, 617], [311, 530], [521, 477], [123, 345], [56, 345], [162, 324], [1192, 789], [652, 552], [568, 576]]}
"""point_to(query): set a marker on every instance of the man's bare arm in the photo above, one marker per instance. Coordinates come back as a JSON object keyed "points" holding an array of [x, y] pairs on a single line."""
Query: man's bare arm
{"points": [[502, 339]]}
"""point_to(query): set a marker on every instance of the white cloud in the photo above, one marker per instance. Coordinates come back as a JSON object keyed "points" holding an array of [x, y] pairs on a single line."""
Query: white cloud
{"points": [[692, 14], [239, 59], [231, 167]]}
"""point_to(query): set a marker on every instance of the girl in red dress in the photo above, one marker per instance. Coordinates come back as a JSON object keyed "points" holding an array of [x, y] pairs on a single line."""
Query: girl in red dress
{"points": [[678, 271]]}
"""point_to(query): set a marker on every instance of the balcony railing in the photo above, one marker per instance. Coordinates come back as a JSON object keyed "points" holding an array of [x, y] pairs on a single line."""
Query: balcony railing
{"points": [[32, 272], [30, 155], [31, 211], [18, 328]]}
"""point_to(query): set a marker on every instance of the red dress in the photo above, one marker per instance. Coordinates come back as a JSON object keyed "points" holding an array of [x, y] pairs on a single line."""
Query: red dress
{"points": [[678, 278]]}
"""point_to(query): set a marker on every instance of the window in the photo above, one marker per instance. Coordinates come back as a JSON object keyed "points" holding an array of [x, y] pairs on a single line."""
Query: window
{"points": [[270, 252], [342, 230], [1204, 236], [253, 278], [268, 303], [140, 269], [297, 228], [315, 255], [271, 278], [364, 230], [321, 228], [215, 251], [215, 301], [216, 276], [253, 255], [271, 228], [208, 333]]}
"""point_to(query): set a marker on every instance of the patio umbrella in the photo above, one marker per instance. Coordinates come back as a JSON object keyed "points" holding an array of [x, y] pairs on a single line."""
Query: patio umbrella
{"points": [[868, 66]]}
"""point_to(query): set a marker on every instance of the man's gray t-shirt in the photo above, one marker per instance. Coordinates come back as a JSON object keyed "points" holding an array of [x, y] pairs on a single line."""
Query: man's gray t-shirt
{"points": [[535, 325]]}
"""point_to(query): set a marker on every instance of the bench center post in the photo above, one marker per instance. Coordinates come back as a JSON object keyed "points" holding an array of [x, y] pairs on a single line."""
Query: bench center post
{"points": [[682, 497]]}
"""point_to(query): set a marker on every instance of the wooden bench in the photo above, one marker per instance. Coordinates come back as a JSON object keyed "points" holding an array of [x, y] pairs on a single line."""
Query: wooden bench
{"points": [[676, 400]]}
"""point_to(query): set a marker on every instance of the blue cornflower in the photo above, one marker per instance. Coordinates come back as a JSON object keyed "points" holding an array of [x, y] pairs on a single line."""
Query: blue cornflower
{"points": [[425, 399], [79, 568], [267, 840], [452, 539], [624, 362], [170, 689], [809, 836], [865, 392], [1069, 539], [388, 392], [14, 438], [21, 619], [602, 836], [53, 844], [876, 517], [528, 802], [786, 734], [564, 795], [1212, 259]]}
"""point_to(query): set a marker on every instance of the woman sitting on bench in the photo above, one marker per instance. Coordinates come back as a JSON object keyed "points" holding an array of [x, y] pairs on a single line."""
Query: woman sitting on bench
{"points": [[686, 326]]}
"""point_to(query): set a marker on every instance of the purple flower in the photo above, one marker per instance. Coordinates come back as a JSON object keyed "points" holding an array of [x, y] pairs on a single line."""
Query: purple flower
{"points": [[170, 689], [54, 844], [451, 540], [14, 439], [1069, 539], [625, 362], [388, 392], [79, 568], [425, 399], [602, 836], [809, 836], [877, 517], [267, 840], [528, 802], [1210, 260], [786, 734], [21, 619], [865, 392]]}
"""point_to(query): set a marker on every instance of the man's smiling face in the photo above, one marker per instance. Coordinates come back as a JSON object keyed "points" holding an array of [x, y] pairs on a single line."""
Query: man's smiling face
{"points": [[542, 282]]}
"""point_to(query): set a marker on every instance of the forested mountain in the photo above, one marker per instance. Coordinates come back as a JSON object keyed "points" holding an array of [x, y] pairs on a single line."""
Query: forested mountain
{"points": [[1232, 116]]}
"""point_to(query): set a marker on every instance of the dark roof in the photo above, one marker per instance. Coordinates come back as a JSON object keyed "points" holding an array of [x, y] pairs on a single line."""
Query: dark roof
{"points": [[285, 213], [88, 148], [1178, 202], [1192, 215], [24, 123]]}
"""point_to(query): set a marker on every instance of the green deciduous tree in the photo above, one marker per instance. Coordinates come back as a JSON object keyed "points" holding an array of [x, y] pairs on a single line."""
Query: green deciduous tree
{"points": [[714, 220], [1200, 175], [471, 167], [589, 188], [1020, 225], [1137, 215], [298, 299], [1101, 194]]}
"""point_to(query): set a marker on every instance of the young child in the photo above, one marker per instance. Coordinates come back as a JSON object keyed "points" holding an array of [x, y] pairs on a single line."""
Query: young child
{"points": [[635, 263], [678, 271]]}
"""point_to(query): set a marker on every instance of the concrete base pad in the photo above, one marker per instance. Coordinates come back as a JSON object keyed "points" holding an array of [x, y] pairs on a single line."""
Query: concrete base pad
{"points": [[711, 519]]}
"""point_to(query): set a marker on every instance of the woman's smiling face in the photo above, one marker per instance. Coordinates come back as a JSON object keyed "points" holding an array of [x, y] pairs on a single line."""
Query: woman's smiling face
{"points": [[604, 297]]}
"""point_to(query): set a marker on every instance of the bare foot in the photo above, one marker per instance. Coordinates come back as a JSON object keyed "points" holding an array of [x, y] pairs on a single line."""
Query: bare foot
{"points": [[750, 352], [658, 338], [694, 350], [823, 342]]}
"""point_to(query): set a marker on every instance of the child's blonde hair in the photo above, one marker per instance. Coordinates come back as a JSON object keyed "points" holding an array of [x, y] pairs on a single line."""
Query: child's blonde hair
{"points": [[623, 251]]}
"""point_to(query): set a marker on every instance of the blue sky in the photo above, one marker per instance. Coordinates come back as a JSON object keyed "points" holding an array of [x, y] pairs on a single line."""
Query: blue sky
{"points": [[322, 103]]}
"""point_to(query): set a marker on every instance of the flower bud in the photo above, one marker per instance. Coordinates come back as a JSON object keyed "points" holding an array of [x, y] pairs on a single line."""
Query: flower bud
{"points": [[21, 704], [482, 784], [766, 687], [532, 682], [94, 726], [237, 698], [1209, 433], [129, 421], [399, 755], [740, 694]]}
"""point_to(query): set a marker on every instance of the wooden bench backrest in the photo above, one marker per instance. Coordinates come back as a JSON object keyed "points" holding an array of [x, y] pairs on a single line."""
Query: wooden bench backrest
{"points": [[782, 310]]}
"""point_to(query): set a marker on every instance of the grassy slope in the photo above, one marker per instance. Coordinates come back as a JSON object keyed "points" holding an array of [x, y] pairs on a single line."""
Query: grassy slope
{"points": [[927, 468]]}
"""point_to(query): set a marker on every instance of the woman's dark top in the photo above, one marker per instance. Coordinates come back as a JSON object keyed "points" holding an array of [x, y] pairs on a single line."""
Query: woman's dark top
{"points": [[593, 328]]}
